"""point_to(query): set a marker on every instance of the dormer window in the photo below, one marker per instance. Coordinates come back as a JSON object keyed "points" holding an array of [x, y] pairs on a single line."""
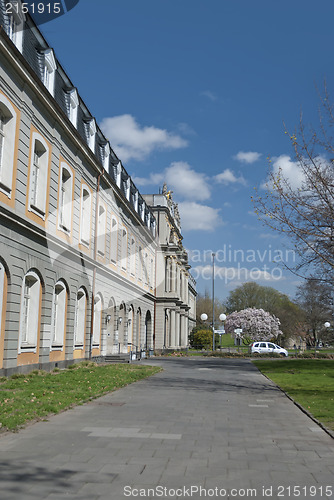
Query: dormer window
{"points": [[49, 70], [73, 106], [153, 228], [142, 211], [91, 134], [106, 156], [148, 219], [118, 174], [134, 199], [127, 188], [15, 23]]}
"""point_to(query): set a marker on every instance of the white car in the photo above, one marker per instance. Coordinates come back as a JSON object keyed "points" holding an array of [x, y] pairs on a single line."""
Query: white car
{"points": [[267, 347]]}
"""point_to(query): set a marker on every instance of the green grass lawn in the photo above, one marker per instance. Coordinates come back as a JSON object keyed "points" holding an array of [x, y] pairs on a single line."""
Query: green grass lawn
{"points": [[310, 382], [34, 396]]}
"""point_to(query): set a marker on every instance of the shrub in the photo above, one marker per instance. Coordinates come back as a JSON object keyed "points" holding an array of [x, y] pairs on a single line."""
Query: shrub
{"points": [[202, 339]]}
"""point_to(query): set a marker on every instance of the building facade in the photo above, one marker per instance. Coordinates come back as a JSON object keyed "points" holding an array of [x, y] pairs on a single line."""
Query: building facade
{"points": [[80, 250]]}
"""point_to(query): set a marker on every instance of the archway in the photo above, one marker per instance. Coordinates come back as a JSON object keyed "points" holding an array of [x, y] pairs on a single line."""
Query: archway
{"points": [[122, 330], [148, 331], [138, 329], [131, 330], [110, 331]]}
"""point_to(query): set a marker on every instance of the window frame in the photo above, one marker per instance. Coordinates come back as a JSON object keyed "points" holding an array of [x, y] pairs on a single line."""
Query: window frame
{"points": [[79, 342], [65, 198], [58, 315], [28, 340], [101, 230], [41, 192], [15, 26], [97, 316], [73, 107], [49, 70], [86, 215], [9, 148], [114, 240]]}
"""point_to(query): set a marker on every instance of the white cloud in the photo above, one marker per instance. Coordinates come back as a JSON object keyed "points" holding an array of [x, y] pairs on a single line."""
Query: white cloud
{"points": [[229, 177], [247, 157], [153, 179], [210, 95], [290, 171], [185, 182], [130, 140], [197, 217]]}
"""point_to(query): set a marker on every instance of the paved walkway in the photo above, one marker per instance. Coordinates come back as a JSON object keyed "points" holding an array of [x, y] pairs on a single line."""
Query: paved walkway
{"points": [[200, 429]]}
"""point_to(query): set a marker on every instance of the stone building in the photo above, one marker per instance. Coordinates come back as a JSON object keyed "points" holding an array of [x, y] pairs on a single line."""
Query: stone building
{"points": [[81, 257]]}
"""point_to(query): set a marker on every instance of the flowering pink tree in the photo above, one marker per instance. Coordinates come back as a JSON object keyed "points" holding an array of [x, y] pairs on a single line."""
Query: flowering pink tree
{"points": [[256, 324]]}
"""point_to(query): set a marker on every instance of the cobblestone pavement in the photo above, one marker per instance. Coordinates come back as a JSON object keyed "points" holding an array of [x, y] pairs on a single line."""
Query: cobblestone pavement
{"points": [[201, 428]]}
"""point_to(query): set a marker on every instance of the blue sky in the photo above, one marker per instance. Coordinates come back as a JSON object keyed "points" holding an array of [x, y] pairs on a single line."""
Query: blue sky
{"points": [[196, 93]]}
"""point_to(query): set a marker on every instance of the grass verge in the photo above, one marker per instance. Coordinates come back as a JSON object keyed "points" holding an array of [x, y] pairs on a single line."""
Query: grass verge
{"points": [[34, 396], [310, 382]]}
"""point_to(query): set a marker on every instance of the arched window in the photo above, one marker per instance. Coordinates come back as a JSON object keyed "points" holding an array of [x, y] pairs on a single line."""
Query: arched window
{"points": [[152, 276], [65, 201], [167, 271], [141, 264], [80, 319], [146, 269], [133, 256], [3, 302], [2, 292], [86, 215], [59, 315], [39, 166], [97, 320], [29, 312], [113, 240], [8, 118], [124, 248], [101, 230]]}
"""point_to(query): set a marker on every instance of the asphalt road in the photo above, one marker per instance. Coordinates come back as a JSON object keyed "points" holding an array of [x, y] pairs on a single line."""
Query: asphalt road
{"points": [[202, 428]]}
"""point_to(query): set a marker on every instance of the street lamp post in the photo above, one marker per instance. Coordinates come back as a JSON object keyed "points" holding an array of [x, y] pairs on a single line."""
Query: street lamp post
{"points": [[222, 318], [213, 301]]}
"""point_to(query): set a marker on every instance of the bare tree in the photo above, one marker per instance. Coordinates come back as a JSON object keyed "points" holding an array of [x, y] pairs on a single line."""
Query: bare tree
{"points": [[315, 298], [304, 210]]}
